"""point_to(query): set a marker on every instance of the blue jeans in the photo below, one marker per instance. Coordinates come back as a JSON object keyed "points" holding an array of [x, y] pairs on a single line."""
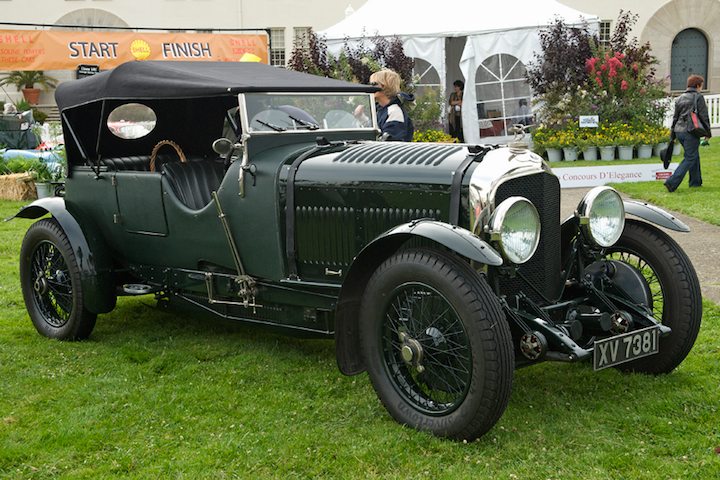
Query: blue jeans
{"points": [[690, 163]]}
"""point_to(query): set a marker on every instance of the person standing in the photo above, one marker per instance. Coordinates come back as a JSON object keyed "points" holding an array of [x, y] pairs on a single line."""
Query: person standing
{"points": [[684, 105], [455, 111], [393, 120]]}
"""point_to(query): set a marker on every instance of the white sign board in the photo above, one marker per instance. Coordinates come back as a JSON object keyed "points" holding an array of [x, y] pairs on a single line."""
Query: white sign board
{"points": [[573, 177], [589, 121]]}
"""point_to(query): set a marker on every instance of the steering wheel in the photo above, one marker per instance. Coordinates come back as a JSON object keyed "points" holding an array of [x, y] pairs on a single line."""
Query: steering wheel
{"points": [[160, 144]]}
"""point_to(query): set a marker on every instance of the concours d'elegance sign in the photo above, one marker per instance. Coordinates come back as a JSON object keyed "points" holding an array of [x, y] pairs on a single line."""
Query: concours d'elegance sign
{"points": [[607, 172], [53, 50]]}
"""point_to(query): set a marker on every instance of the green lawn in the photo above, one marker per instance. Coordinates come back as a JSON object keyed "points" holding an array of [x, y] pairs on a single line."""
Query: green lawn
{"points": [[702, 203], [154, 394]]}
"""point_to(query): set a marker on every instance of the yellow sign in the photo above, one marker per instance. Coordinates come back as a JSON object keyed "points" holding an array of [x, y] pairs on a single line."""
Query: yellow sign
{"points": [[140, 49], [53, 50]]}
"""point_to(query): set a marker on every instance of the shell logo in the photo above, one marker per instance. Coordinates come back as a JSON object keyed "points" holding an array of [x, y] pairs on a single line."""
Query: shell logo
{"points": [[140, 49]]}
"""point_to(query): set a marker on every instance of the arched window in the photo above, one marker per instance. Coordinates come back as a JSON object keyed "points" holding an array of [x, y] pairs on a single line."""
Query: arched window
{"points": [[425, 77], [689, 57], [91, 16], [503, 94]]}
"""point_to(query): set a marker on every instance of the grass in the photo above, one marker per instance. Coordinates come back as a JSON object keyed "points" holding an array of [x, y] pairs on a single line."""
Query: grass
{"points": [[702, 203], [155, 394]]}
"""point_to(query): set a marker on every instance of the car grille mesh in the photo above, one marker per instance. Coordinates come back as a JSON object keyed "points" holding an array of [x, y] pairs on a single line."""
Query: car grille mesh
{"points": [[400, 153], [543, 269]]}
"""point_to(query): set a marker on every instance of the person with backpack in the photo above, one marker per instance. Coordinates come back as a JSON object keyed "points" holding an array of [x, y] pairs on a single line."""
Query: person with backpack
{"points": [[688, 103], [393, 120]]}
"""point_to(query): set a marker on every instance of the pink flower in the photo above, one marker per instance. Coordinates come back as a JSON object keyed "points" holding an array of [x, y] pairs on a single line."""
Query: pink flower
{"points": [[598, 80], [590, 64], [624, 85], [603, 67], [635, 67]]}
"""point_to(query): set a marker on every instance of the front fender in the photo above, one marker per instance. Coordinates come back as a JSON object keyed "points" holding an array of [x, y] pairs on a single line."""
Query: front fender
{"points": [[655, 215], [457, 239], [93, 258]]}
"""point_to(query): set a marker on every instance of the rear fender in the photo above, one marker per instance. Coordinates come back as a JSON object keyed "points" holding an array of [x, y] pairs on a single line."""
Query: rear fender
{"points": [[459, 240], [91, 253]]}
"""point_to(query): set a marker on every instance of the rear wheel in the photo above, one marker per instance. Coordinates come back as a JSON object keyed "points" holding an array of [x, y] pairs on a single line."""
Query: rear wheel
{"points": [[436, 344], [674, 287], [50, 281]]}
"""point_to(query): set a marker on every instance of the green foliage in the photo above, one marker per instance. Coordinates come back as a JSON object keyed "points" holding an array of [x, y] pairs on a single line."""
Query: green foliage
{"points": [[355, 63], [426, 111], [574, 76], [39, 116], [437, 136], [28, 78], [608, 134], [23, 105]]}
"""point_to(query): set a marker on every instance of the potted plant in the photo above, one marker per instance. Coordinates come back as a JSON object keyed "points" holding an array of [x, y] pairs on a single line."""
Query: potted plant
{"points": [[546, 139], [605, 140], [567, 140], [26, 80], [626, 140], [46, 175], [586, 142], [662, 139]]}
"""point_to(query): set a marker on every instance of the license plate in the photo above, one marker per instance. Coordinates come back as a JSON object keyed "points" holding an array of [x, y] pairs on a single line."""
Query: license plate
{"points": [[626, 347]]}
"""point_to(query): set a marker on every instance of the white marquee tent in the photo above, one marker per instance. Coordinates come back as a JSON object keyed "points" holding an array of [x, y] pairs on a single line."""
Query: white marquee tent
{"points": [[490, 28]]}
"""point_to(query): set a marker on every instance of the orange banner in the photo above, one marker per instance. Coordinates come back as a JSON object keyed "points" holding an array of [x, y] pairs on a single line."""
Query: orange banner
{"points": [[53, 50]]}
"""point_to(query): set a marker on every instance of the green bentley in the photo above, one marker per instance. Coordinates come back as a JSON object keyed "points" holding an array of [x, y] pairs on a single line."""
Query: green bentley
{"points": [[258, 194]]}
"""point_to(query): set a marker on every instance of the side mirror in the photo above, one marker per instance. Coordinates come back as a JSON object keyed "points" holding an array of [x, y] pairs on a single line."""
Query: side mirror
{"points": [[222, 146]]}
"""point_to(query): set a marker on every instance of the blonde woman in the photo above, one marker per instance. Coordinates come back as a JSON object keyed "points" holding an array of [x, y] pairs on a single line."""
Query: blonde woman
{"points": [[392, 119]]}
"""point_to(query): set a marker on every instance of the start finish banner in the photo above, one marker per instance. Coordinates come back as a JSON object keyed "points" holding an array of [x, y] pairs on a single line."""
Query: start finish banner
{"points": [[54, 50]]}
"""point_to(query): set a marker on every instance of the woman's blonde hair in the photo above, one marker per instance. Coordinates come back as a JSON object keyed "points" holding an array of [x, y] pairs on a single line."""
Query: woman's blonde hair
{"points": [[388, 81]]}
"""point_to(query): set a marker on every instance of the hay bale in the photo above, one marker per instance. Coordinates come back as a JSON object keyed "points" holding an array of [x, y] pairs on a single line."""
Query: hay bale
{"points": [[17, 186]]}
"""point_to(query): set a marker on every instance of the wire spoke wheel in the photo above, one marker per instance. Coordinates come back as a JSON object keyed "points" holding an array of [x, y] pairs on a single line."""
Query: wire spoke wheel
{"points": [[51, 285], [674, 291], [439, 380], [436, 345], [52, 288], [651, 277]]}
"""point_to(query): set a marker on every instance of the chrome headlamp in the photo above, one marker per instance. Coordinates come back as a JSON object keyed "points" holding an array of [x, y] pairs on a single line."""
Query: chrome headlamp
{"points": [[515, 227], [602, 216]]}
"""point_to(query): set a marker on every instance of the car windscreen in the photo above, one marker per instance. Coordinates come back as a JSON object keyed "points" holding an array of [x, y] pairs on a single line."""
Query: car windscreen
{"points": [[278, 112]]}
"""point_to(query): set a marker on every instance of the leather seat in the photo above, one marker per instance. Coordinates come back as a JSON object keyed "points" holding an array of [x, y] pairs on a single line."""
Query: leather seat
{"points": [[193, 182], [138, 163]]}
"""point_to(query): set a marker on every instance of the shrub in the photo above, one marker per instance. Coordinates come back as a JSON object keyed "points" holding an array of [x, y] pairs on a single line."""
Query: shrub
{"points": [[575, 76], [437, 136]]}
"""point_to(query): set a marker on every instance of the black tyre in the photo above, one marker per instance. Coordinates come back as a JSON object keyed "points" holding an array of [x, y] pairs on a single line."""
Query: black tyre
{"points": [[50, 281], [676, 296], [436, 344]]}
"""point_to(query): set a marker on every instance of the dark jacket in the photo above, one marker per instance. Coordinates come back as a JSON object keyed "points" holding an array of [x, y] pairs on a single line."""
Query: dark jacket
{"points": [[394, 120], [684, 105]]}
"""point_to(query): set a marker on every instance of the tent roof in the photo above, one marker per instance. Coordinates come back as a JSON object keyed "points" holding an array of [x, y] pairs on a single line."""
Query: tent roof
{"points": [[166, 79], [428, 18]]}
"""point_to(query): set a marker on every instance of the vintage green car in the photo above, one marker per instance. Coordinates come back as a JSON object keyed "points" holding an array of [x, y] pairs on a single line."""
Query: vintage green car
{"points": [[258, 194]]}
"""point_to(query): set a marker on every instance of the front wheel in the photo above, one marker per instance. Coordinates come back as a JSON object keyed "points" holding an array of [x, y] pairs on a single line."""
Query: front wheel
{"points": [[436, 344], [675, 289], [50, 281]]}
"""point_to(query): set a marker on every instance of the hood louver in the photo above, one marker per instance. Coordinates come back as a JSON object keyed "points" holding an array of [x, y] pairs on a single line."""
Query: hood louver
{"points": [[398, 153]]}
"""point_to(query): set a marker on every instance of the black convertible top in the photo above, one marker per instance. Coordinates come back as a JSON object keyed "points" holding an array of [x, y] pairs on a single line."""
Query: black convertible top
{"points": [[170, 79]]}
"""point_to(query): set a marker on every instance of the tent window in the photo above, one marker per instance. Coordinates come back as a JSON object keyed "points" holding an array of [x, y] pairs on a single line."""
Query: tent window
{"points": [[503, 94], [689, 57], [426, 77]]}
